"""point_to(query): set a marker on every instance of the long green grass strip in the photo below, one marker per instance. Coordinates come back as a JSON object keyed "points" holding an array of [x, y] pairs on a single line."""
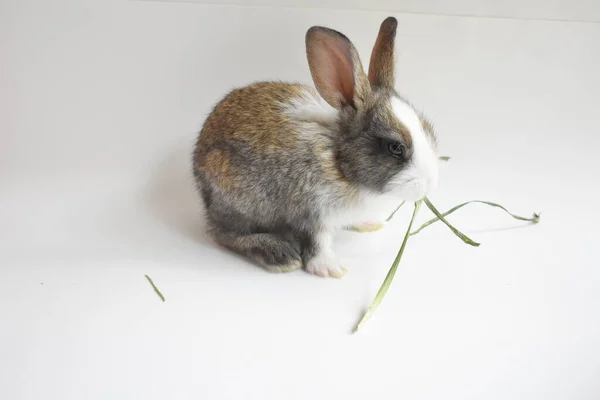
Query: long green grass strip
{"points": [[458, 233], [445, 158], [155, 288], [394, 213], [534, 219], [390, 275]]}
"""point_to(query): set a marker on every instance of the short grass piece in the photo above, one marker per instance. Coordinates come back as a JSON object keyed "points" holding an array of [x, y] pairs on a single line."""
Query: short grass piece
{"points": [[155, 288]]}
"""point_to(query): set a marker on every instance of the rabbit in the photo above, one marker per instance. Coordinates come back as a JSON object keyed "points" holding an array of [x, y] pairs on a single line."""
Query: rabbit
{"points": [[281, 166]]}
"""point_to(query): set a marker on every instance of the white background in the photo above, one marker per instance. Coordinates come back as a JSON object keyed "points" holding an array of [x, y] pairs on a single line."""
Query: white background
{"points": [[100, 103]]}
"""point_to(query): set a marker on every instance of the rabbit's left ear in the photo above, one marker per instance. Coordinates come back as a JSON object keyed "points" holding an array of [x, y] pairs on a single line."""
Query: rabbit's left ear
{"points": [[381, 67], [335, 68]]}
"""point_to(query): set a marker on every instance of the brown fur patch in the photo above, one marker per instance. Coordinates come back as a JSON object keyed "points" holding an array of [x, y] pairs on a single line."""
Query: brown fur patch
{"points": [[330, 169], [253, 115], [218, 167], [344, 188], [331, 172]]}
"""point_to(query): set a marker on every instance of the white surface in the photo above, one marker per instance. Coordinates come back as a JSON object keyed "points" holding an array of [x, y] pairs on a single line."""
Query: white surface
{"points": [[100, 105], [563, 10]]}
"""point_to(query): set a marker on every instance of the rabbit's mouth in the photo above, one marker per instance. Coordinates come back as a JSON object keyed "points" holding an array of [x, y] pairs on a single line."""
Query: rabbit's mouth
{"points": [[411, 188]]}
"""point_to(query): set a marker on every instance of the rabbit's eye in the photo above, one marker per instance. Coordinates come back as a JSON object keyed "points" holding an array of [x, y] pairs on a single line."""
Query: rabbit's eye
{"points": [[396, 149]]}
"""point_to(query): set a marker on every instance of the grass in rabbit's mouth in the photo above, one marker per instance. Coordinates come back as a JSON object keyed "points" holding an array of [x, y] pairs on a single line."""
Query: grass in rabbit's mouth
{"points": [[535, 218]]}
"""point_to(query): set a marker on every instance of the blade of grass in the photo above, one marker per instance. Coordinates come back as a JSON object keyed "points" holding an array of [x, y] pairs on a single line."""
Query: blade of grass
{"points": [[458, 233], [394, 213], [155, 288], [445, 158], [390, 275], [534, 219]]}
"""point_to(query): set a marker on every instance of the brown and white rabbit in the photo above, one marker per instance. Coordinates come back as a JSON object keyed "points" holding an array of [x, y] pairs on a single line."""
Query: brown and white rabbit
{"points": [[281, 166]]}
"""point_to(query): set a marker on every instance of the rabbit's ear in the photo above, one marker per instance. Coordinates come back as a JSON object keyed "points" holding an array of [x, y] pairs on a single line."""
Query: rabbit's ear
{"points": [[381, 67], [335, 67]]}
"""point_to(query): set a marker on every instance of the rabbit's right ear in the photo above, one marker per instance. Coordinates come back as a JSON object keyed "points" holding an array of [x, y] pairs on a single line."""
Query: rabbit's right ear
{"points": [[335, 67], [381, 67]]}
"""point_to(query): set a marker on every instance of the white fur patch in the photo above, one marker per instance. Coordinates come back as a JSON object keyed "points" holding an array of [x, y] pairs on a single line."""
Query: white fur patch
{"points": [[421, 176], [325, 263], [370, 208], [311, 107]]}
